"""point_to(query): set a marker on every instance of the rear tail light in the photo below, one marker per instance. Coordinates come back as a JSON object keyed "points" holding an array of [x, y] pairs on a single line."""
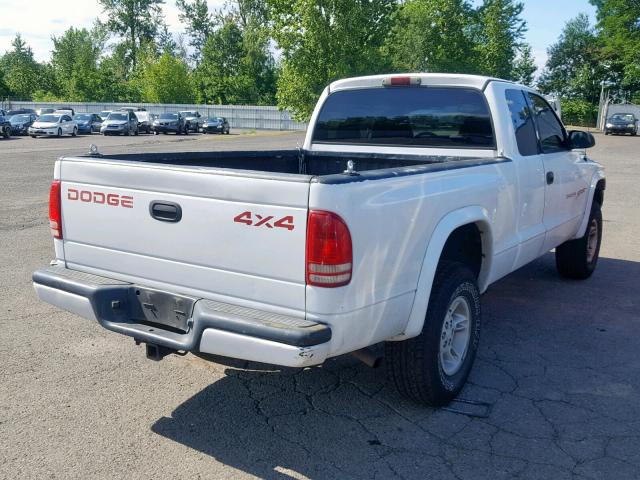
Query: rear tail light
{"points": [[329, 253], [55, 210]]}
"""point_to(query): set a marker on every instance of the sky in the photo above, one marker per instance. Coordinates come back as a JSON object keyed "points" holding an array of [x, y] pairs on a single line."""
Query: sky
{"points": [[38, 20]]}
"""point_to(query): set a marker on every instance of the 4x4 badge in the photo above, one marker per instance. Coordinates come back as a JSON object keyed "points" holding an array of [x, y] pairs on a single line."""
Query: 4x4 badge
{"points": [[256, 220]]}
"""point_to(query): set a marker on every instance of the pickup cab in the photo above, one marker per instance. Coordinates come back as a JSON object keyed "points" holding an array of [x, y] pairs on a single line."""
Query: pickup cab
{"points": [[410, 196]]}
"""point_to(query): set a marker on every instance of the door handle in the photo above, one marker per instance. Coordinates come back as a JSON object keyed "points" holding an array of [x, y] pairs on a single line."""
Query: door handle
{"points": [[550, 178], [165, 211]]}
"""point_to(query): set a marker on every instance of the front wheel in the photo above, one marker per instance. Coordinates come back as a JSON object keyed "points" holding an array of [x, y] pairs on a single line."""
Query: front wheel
{"points": [[59, 133], [577, 259], [433, 367]]}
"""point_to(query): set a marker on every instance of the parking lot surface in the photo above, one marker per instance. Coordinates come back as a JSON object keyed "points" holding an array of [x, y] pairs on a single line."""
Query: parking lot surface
{"points": [[558, 365]]}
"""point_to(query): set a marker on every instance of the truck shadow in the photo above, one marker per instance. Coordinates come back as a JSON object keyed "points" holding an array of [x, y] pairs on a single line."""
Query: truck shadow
{"points": [[343, 420]]}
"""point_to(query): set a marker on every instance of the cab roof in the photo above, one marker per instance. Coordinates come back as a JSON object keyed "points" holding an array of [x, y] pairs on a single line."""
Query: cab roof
{"points": [[443, 79]]}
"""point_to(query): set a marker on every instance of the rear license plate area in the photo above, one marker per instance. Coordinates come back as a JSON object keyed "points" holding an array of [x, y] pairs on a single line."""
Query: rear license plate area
{"points": [[163, 309]]}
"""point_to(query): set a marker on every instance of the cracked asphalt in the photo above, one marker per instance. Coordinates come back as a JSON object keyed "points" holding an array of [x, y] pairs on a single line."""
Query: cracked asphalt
{"points": [[558, 366]]}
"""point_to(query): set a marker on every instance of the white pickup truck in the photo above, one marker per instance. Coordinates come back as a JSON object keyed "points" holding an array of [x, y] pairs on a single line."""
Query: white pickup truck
{"points": [[411, 195]]}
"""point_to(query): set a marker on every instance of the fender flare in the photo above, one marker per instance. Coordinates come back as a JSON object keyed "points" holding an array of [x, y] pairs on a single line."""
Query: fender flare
{"points": [[457, 218], [595, 179]]}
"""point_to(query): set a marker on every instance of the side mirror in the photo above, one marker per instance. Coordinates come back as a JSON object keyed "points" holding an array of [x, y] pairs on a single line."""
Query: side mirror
{"points": [[580, 139]]}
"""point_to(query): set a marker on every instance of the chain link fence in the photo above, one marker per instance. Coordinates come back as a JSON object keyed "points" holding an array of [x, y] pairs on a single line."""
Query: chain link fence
{"points": [[239, 116]]}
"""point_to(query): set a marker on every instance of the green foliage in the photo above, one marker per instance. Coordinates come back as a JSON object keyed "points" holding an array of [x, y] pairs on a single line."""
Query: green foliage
{"points": [[136, 21], [573, 69], [433, 36], [500, 31], [580, 113], [22, 74], [619, 26], [166, 80], [237, 68], [74, 60], [195, 14], [524, 67], [324, 40]]}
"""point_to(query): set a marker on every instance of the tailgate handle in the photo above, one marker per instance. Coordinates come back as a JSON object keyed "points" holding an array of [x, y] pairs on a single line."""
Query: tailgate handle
{"points": [[165, 211]]}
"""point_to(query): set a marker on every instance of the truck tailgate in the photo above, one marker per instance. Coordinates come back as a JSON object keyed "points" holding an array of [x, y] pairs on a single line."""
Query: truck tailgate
{"points": [[220, 234]]}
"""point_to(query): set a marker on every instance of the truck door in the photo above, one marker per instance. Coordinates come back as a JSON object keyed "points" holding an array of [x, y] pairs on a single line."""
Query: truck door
{"points": [[566, 186], [531, 178]]}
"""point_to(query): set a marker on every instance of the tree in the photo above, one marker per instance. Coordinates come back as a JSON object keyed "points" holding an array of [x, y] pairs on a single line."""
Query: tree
{"points": [[237, 65], [573, 69], [22, 74], [324, 40], [167, 80], [501, 30], [195, 14], [433, 36], [524, 67], [74, 60], [619, 34], [136, 21]]}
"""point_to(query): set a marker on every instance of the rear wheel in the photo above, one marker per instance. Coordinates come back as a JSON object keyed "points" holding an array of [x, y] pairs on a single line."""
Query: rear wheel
{"points": [[577, 259], [75, 132], [59, 133], [433, 367], [6, 133]]}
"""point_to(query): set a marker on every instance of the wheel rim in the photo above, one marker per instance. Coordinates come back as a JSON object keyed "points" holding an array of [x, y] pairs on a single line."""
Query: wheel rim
{"points": [[592, 241], [455, 336]]}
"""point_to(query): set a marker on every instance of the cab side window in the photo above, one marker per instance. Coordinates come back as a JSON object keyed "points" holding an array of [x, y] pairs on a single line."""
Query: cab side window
{"points": [[522, 122], [551, 131]]}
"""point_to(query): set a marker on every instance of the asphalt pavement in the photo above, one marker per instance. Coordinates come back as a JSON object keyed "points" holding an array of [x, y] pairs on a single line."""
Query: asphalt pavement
{"points": [[558, 368]]}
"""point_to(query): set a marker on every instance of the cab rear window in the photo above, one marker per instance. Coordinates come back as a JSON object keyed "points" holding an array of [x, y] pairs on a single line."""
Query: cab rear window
{"points": [[442, 117]]}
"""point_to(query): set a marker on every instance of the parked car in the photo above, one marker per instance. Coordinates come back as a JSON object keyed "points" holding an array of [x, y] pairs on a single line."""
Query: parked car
{"points": [[88, 122], [133, 109], [5, 126], [45, 110], [53, 125], [20, 123], [216, 125], [104, 114], [120, 123], [20, 111], [386, 226], [145, 121], [621, 123], [193, 120], [67, 111], [170, 123]]}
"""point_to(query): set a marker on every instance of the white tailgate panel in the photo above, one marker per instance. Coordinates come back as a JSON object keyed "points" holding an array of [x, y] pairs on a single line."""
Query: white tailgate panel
{"points": [[206, 250]]}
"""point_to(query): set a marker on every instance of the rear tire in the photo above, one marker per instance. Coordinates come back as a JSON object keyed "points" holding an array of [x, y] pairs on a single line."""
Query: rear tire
{"points": [[577, 259], [75, 132], [59, 133], [433, 367]]}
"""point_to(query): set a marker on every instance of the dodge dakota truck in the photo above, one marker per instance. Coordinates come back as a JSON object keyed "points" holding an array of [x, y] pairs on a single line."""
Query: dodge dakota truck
{"points": [[411, 195]]}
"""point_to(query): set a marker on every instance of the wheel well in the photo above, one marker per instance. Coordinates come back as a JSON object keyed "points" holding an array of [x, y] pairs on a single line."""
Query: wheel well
{"points": [[465, 245], [598, 195]]}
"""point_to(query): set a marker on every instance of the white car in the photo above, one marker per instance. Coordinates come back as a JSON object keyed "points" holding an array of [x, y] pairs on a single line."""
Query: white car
{"points": [[411, 195], [54, 125]]}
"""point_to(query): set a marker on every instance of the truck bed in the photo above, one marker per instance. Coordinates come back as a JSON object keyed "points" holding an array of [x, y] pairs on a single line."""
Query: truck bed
{"points": [[300, 162]]}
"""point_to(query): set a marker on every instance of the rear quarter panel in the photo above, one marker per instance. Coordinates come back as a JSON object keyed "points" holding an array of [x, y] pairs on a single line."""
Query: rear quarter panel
{"points": [[391, 223]]}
